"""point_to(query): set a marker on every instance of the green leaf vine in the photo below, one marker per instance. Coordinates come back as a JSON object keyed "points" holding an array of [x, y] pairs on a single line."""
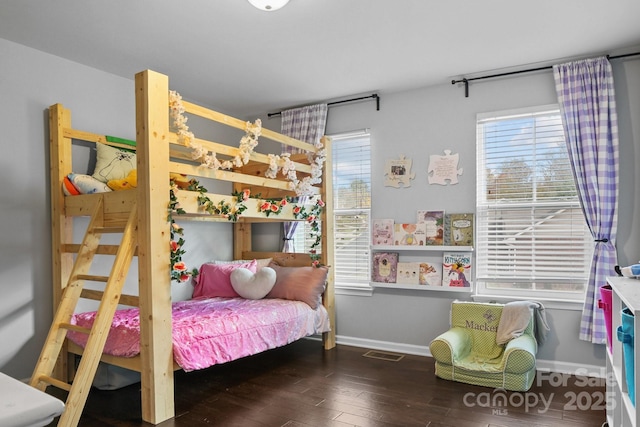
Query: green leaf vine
{"points": [[232, 212]]}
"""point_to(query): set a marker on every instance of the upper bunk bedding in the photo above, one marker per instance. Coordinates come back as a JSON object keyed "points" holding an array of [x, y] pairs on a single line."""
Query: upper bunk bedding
{"points": [[210, 331]]}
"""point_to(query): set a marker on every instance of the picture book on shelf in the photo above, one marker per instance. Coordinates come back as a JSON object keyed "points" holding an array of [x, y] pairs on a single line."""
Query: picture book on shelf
{"points": [[384, 267], [434, 226], [456, 269], [430, 274], [382, 232], [461, 229], [408, 273], [409, 234]]}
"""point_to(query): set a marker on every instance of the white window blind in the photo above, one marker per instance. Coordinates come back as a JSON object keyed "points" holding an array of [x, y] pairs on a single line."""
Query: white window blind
{"points": [[352, 207], [531, 236], [302, 239]]}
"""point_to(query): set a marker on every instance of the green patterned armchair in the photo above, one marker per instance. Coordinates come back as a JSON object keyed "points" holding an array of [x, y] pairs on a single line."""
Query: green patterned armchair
{"points": [[469, 353]]}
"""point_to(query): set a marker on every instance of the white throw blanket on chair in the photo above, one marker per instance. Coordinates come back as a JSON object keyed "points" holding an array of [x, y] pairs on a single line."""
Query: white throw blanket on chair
{"points": [[515, 319]]}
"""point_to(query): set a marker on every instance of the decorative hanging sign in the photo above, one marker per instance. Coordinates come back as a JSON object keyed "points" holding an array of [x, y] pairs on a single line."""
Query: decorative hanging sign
{"points": [[444, 168], [398, 172]]}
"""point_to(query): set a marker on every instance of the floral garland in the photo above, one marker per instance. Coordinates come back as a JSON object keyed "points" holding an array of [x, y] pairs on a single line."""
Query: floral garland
{"points": [[227, 210], [247, 144], [179, 270], [283, 163], [274, 206], [311, 217], [185, 137], [269, 207]]}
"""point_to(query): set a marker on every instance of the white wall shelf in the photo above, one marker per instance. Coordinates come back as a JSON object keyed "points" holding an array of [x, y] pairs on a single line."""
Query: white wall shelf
{"points": [[621, 411], [415, 248]]}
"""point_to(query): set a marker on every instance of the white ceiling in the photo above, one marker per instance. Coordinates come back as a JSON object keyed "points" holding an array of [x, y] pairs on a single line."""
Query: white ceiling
{"points": [[229, 55]]}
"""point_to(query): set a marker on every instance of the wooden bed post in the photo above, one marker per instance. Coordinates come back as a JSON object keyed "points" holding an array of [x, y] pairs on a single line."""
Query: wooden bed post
{"points": [[242, 239], [152, 132], [328, 255], [62, 225]]}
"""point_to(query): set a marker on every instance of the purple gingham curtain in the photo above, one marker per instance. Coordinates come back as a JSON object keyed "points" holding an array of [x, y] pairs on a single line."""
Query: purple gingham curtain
{"points": [[306, 124], [587, 104]]}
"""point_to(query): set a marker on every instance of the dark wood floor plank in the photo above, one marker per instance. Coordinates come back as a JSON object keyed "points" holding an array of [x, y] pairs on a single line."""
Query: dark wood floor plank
{"points": [[302, 385]]}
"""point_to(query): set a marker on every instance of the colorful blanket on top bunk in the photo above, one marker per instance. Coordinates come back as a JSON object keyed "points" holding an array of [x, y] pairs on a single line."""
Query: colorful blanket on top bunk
{"points": [[210, 331]]}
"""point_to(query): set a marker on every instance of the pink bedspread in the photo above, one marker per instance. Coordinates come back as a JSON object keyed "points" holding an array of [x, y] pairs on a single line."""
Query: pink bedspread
{"points": [[209, 331]]}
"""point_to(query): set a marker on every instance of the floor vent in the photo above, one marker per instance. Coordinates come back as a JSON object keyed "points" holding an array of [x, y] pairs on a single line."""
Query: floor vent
{"points": [[383, 355]]}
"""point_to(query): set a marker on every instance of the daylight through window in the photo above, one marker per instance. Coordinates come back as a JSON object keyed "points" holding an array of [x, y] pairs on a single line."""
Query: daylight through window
{"points": [[531, 237]]}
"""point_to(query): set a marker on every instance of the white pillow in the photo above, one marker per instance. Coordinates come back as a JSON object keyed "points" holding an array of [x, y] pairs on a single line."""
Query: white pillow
{"points": [[112, 163], [251, 285], [87, 184]]}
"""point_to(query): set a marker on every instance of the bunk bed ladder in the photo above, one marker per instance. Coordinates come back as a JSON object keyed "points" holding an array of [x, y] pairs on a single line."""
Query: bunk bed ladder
{"points": [[78, 389]]}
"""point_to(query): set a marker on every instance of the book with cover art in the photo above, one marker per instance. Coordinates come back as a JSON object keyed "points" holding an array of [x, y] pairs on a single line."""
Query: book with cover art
{"points": [[434, 226], [461, 229], [384, 267], [457, 269], [382, 232], [407, 234], [430, 274], [408, 273]]}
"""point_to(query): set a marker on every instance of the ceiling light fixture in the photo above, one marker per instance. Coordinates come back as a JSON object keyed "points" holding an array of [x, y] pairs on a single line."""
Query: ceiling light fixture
{"points": [[268, 5]]}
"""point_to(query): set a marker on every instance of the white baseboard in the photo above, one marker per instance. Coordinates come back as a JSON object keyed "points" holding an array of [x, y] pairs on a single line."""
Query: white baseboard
{"points": [[541, 365], [384, 345]]}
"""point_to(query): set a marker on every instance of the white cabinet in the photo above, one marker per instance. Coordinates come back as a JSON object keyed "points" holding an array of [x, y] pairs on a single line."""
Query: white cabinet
{"points": [[416, 250], [621, 411]]}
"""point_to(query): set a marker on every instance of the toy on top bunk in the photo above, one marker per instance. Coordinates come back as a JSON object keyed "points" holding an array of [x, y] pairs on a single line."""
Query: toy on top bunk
{"points": [[76, 183], [113, 166], [632, 271], [115, 170]]}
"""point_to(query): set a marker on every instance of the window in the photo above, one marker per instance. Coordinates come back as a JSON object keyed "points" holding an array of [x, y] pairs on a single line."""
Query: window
{"points": [[351, 160], [531, 238], [352, 208]]}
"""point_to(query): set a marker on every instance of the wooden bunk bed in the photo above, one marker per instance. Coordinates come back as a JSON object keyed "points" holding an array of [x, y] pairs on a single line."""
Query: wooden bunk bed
{"points": [[140, 215]]}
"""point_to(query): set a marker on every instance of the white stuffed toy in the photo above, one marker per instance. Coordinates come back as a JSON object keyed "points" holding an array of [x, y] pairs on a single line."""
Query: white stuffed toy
{"points": [[632, 271]]}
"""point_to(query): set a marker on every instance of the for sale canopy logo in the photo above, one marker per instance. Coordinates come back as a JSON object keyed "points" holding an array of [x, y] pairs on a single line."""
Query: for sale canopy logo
{"points": [[500, 400]]}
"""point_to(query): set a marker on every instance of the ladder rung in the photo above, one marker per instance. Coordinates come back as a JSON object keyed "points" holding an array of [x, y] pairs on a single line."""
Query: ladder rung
{"points": [[130, 300], [101, 250], [92, 278], [91, 294], [110, 298], [75, 328], [108, 230], [54, 382]]}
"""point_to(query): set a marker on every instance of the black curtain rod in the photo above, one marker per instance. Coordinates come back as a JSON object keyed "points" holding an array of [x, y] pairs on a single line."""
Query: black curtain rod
{"points": [[466, 81], [373, 96]]}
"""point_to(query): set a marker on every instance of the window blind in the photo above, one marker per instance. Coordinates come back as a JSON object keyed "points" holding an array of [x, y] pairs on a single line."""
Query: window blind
{"points": [[351, 155], [530, 230]]}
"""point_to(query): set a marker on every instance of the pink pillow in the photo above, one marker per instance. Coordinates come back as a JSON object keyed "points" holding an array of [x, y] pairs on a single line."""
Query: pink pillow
{"points": [[214, 280], [304, 284]]}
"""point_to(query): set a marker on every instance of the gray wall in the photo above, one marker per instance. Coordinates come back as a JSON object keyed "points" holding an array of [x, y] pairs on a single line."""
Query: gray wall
{"points": [[418, 123], [31, 81], [415, 123]]}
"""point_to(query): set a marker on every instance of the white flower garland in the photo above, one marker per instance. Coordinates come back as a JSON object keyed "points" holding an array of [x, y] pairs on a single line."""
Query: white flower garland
{"points": [[247, 144], [284, 163]]}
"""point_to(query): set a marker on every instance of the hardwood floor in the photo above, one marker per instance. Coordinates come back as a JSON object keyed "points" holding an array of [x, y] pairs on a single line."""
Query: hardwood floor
{"points": [[303, 385]]}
